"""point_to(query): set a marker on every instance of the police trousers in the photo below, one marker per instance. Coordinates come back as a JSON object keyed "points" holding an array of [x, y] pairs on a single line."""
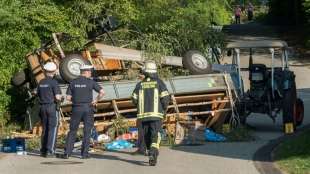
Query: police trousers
{"points": [[152, 136], [85, 113], [49, 118]]}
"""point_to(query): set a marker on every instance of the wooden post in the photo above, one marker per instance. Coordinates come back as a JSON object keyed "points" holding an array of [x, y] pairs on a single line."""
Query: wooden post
{"points": [[216, 116], [179, 132], [115, 108], [62, 54]]}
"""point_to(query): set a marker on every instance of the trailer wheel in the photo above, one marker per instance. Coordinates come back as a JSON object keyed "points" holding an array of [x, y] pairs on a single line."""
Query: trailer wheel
{"points": [[288, 106], [196, 62], [299, 111], [20, 78], [69, 67]]}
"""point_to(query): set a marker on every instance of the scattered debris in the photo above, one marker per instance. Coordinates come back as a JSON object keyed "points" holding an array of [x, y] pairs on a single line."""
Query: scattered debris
{"points": [[103, 138], [13, 145], [119, 144], [212, 136]]}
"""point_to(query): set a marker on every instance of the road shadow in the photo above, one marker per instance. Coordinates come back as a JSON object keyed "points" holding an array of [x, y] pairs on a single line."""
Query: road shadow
{"points": [[250, 31], [64, 162], [58, 154], [114, 157]]}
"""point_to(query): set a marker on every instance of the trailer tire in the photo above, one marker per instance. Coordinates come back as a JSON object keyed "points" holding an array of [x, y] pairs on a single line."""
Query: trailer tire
{"points": [[196, 62], [69, 67], [20, 78]]}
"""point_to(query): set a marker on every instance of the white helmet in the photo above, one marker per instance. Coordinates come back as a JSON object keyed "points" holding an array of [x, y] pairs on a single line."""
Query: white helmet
{"points": [[86, 67], [150, 67], [50, 67]]}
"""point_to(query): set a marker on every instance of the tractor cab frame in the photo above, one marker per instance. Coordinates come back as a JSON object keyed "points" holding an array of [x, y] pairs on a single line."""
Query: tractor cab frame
{"points": [[272, 89]]}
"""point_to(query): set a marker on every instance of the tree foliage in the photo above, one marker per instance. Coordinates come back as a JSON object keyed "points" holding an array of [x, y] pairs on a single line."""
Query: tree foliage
{"points": [[170, 27], [287, 12]]}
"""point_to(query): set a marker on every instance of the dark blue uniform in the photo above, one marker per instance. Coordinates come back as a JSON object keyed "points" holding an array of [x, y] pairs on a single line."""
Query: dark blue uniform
{"points": [[81, 90], [47, 90]]}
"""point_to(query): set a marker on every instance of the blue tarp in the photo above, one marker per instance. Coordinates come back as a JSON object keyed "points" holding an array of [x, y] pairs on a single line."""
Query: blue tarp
{"points": [[119, 144], [212, 136]]}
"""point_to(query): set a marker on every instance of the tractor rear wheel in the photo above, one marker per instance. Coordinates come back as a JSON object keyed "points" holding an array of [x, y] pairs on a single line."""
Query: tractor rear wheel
{"points": [[299, 112], [288, 106]]}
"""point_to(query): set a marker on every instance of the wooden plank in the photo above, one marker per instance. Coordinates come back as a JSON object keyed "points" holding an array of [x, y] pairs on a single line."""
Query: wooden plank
{"points": [[200, 103], [37, 71], [204, 112], [44, 56], [62, 54], [115, 109], [198, 98], [114, 113], [213, 107], [102, 63], [201, 95], [217, 114], [111, 64]]}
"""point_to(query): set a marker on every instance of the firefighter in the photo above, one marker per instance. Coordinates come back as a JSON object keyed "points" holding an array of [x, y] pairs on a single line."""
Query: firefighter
{"points": [[140, 142], [49, 94], [152, 99], [80, 92]]}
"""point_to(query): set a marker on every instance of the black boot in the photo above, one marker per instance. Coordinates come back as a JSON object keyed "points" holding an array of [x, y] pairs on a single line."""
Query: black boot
{"points": [[50, 155], [43, 154], [85, 156], [153, 154], [65, 156]]}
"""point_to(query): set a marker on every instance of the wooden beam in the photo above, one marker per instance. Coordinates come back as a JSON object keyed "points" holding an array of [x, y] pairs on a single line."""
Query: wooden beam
{"points": [[217, 114], [199, 103], [115, 109]]}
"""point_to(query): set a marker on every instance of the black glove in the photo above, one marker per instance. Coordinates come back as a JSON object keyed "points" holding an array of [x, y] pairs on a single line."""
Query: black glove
{"points": [[58, 104]]}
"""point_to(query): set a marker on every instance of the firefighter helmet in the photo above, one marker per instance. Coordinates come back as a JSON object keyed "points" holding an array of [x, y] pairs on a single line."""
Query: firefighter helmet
{"points": [[150, 67]]}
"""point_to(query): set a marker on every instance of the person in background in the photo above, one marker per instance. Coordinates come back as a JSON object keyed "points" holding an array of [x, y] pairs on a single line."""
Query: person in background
{"points": [[152, 99], [250, 11], [49, 94], [237, 14]]}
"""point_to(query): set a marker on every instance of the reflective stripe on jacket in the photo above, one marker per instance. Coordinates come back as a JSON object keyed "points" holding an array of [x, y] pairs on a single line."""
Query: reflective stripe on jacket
{"points": [[151, 98]]}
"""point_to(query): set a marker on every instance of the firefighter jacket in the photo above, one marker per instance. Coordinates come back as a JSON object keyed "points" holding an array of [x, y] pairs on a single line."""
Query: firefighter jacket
{"points": [[151, 98]]}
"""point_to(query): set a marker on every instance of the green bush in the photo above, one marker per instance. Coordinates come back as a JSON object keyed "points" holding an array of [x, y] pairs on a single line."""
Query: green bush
{"points": [[33, 144], [168, 27]]}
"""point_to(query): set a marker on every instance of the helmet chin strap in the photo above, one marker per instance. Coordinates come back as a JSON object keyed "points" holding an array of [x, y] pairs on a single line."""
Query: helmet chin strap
{"points": [[152, 75]]}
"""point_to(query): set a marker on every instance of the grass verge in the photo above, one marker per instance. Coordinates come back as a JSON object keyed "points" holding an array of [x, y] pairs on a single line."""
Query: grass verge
{"points": [[240, 134], [293, 156]]}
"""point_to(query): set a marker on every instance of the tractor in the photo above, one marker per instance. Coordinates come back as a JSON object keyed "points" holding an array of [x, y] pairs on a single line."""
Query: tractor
{"points": [[272, 89]]}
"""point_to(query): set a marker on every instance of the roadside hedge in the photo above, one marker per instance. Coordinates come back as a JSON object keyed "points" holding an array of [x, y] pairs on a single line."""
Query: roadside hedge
{"points": [[174, 25]]}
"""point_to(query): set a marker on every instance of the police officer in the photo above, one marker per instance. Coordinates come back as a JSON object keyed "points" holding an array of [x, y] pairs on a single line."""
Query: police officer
{"points": [[49, 94], [80, 92], [152, 99]]}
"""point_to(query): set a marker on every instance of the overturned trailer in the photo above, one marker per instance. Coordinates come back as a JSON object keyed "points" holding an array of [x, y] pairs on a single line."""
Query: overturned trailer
{"points": [[197, 100]]}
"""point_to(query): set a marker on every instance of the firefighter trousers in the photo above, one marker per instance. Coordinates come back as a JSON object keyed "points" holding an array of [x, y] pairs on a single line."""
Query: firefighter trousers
{"points": [[152, 136], [140, 142]]}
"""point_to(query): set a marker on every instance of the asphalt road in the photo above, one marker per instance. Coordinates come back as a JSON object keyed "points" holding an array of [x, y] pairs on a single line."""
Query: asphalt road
{"points": [[215, 158]]}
